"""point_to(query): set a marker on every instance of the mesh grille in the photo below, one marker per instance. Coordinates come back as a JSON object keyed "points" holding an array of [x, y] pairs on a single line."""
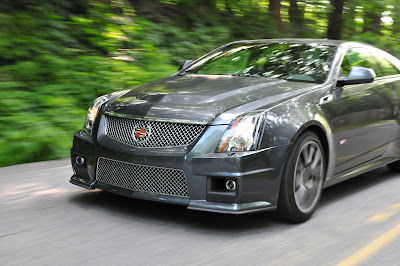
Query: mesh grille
{"points": [[161, 134], [143, 178]]}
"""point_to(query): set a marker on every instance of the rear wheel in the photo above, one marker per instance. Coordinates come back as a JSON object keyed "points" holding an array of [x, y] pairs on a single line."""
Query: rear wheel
{"points": [[302, 179]]}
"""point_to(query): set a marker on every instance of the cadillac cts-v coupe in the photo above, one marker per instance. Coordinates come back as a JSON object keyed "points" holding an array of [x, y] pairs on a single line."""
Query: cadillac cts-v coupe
{"points": [[252, 126]]}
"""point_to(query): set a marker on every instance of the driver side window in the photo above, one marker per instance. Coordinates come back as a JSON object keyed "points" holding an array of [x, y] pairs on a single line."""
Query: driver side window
{"points": [[364, 57], [358, 57]]}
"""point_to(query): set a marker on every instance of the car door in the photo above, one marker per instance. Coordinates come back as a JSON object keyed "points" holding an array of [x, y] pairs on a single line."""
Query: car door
{"points": [[391, 71], [361, 116]]}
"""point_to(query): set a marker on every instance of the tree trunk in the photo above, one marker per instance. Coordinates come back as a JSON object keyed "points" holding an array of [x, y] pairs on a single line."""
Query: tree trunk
{"points": [[210, 4], [294, 12], [350, 27], [372, 22], [335, 23], [373, 16], [275, 9]]}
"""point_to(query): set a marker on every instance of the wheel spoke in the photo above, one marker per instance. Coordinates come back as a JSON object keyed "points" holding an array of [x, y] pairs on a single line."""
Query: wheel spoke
{"points": [[310, 195], [306, 197], [316, 172], [298, 178], [317, 159], [300, 192], [304, 156], [311, 154], [313, 186], [309, 184]]}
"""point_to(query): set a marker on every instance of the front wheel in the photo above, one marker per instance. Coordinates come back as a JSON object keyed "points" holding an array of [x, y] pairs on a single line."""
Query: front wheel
{"points": [[302, 180]]}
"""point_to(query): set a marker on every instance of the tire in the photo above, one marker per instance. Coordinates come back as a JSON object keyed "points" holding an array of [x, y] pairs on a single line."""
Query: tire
{"points": [[395, 166], [302, 180]]}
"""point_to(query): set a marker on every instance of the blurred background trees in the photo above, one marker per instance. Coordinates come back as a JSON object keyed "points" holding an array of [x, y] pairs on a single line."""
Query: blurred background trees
{"points": [[57, 56]]}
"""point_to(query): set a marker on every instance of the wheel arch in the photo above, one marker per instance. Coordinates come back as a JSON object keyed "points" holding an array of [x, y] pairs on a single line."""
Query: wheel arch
{"points": [[320, 131], [287, 205], [326, 141], [317, 128]]}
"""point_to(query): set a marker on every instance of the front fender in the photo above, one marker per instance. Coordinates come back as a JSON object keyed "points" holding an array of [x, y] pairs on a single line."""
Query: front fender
{"points": [[287, 121]]}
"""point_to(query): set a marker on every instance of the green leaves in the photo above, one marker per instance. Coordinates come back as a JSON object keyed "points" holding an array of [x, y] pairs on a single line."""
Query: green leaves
{"points": [[54, 63]]}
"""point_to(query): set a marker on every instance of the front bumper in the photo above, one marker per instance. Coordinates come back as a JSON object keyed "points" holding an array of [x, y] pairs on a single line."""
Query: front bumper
{"points": [[199, 205], [257, 173]]}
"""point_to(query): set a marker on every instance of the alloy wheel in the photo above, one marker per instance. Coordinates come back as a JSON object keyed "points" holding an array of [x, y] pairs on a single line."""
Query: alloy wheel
{"points": [[308, 176]]}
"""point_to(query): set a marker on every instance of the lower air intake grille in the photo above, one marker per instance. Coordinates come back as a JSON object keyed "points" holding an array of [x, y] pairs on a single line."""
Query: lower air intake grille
{"points": [[151, 179]]}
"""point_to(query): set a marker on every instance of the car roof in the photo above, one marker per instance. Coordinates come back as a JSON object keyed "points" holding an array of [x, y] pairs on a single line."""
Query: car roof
{"points": [[298, 40]]}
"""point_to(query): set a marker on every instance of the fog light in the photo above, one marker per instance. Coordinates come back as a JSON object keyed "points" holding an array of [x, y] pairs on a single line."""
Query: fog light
{"points": [[230, 185], [80, 160]]}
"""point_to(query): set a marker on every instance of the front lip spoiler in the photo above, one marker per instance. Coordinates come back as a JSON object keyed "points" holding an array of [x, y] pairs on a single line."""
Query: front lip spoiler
{"points": [[81, 182], [230, 208], [200, 205]]}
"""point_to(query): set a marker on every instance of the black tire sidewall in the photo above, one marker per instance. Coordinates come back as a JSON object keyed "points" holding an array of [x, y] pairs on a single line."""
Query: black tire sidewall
{"points": [[287, 206]]}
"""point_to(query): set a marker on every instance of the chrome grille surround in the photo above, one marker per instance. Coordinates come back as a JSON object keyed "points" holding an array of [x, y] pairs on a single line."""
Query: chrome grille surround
{"points": [[143, 178], [163, 134]]}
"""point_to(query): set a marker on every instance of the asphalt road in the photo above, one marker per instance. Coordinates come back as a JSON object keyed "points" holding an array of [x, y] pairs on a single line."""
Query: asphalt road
{"points": [[44, 220]]}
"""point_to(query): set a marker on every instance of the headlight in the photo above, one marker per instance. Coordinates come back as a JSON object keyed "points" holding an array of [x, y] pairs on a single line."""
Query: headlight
{"points": [[94, 110], [243, 133]]}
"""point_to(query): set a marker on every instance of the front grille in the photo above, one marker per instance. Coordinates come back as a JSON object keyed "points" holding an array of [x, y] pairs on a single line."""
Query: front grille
{"points": [[162, 134], [151, 179]]}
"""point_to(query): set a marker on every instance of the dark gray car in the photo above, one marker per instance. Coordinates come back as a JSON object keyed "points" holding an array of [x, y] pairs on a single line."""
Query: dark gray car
{"points": [[252, 126]]}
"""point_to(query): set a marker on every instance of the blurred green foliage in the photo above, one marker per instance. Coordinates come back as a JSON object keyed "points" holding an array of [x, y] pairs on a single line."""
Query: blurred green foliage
{"points": [[57, 56], [56, 61]]}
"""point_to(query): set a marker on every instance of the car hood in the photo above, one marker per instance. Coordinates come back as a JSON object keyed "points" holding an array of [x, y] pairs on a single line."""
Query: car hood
{"points": [[199, 98]]}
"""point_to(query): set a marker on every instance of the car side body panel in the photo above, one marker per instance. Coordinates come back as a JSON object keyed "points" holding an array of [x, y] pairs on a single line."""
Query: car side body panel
{"points": [[363, 121]]}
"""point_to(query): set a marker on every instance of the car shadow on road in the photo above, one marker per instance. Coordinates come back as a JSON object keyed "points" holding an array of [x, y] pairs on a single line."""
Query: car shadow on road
{"points": [[357, 184], [141, 210], [147, 211]]}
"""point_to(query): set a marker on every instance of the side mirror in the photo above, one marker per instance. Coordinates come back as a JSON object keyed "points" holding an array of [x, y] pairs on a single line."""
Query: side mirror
{"points": [[358, 75], [185, 64]]}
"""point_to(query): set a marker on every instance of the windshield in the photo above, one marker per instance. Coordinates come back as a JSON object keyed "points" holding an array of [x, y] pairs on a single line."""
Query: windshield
{"points": [[290, 61]]}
